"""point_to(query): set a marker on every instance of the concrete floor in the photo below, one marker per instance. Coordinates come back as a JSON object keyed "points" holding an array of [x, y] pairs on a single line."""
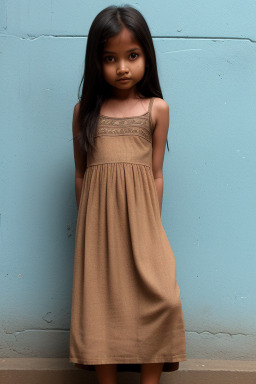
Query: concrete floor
{"points": [[61, 371]]}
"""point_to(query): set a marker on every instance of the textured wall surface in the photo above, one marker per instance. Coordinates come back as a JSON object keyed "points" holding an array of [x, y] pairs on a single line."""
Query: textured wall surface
{"points": [[206, 54]]}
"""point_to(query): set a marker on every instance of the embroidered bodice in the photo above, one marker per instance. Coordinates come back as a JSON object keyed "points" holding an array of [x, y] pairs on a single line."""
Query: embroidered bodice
{"points": [[123, 139]]}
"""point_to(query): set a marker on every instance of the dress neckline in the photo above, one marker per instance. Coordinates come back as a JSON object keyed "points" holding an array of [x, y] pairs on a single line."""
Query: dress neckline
{"points": [[121, 118]]}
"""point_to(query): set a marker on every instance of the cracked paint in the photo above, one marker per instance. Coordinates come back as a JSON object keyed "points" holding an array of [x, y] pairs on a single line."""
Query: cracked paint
{"points": [[221, 333], [47, 317], [37, 329], [185, 50], [213, 39]]}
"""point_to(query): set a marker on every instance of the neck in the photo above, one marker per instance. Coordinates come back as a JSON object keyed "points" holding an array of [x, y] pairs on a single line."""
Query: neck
{"points": [[124, 94]]}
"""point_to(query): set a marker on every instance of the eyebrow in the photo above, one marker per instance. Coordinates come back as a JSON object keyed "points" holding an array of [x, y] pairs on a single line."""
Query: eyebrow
{"points": [[129, 50]]}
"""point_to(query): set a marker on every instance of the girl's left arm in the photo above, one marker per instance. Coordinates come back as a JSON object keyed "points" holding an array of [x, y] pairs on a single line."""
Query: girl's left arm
{"points": [[160, 114]]}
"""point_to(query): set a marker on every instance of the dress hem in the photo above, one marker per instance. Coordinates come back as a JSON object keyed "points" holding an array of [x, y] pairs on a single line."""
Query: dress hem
{"points": [[132, 360]]}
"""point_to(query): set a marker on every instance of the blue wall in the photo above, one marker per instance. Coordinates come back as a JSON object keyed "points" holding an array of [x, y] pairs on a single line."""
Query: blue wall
{"points": [[206, 54]]}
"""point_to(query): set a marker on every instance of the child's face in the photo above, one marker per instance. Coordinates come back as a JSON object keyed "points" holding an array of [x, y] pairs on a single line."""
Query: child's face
{"points": [[118, 62]]}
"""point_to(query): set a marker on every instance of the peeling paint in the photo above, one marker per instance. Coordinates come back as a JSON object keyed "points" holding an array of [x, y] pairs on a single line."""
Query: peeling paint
{"points": [[47, 318], [213, 39], [185, 50], [37, 330], [220, 333]]}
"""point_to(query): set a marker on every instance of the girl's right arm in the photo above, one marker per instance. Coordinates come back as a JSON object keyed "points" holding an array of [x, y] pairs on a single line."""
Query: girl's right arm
{"points": [[79, 156]]}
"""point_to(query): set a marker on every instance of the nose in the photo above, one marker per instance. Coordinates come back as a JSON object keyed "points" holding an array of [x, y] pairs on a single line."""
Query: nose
{"points": [[122, 68]]}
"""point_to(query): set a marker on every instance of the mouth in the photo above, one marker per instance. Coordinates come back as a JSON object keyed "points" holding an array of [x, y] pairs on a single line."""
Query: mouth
{"points": [[123, 79]]}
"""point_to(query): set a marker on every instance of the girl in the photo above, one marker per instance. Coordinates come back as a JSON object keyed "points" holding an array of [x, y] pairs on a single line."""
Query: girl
{"points": [[126, 310]]}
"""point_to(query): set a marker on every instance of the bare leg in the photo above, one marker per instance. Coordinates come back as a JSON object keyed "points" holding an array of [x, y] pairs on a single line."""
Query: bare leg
{"points": [[106, 373], [150, 373]]}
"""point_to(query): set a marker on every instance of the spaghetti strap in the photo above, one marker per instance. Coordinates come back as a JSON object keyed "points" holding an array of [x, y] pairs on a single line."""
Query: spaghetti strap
{"points": [[150, 104]]}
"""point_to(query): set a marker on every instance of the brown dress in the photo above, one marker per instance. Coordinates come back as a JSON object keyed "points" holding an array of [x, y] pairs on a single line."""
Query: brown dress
{"points": [[126, 307]]}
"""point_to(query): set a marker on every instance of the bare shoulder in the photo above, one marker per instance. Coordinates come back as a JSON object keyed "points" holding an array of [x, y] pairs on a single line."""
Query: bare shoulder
{"points": [[160, 103], [160, 111]]}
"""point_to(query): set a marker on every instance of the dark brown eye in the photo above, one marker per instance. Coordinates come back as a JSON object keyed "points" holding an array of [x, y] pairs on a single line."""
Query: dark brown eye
{"points": [[136, 54], [107, 57]]}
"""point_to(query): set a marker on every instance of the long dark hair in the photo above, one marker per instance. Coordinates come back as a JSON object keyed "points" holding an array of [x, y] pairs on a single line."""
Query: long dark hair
{"points": [[108, 23]]}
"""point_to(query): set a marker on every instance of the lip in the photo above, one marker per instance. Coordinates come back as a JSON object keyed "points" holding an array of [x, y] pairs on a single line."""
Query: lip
{"points": [[123, 79]]}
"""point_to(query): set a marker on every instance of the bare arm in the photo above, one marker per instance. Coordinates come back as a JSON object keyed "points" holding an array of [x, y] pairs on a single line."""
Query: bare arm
{"points": [[161, 113], [79, 156]]}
